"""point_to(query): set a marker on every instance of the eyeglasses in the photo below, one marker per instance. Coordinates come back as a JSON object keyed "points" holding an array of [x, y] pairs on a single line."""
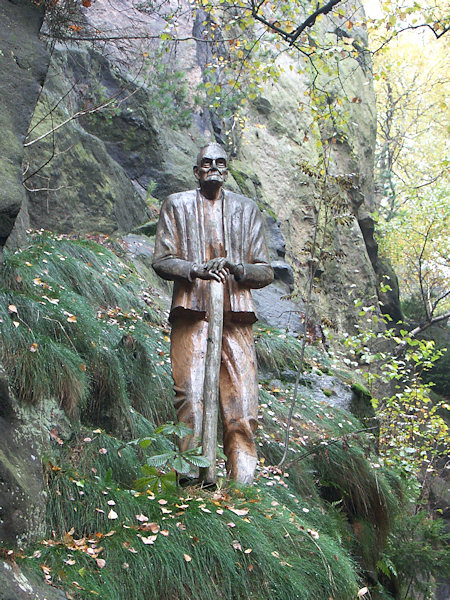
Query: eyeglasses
{"points": [[218, 163]]}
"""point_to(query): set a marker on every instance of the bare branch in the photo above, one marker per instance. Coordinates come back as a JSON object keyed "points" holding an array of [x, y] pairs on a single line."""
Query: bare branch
{"points": [[309, 22], [78, 114], [414, 332], [291, 37]]}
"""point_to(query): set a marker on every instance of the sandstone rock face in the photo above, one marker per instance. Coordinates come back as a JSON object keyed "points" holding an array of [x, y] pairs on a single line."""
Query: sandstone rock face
{"points": [[23, 64], [26, 434], [17, 585], [22, 498], [108, 166]]}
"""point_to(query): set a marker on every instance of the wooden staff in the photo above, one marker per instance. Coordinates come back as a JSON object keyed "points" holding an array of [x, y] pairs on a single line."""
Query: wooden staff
{"points": [[211, 381]]}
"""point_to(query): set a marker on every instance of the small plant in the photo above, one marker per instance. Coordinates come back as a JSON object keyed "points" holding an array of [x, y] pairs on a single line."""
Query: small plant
{"points": [[413, 433], [161, 472]]}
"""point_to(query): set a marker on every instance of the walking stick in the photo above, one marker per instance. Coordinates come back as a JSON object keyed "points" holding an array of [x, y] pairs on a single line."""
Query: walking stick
{"points": [[211, 381]]}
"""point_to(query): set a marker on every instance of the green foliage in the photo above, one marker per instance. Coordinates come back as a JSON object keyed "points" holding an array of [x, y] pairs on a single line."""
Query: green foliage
{"points": [[275, 349], [416, 552], [172, 461], [167, 89], [73, 326], [413, 434]]}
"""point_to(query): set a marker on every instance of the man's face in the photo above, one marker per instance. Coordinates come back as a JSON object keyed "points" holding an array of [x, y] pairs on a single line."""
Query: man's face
{"points": [[211, 168]]}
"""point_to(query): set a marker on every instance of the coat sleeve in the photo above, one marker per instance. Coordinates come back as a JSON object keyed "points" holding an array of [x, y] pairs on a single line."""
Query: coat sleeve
{"points": [[166, 261], [257, 270]]}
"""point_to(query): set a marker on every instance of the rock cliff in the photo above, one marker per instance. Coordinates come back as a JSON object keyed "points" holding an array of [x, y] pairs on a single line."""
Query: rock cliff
{"points": [[106, 169], [110, 129]]}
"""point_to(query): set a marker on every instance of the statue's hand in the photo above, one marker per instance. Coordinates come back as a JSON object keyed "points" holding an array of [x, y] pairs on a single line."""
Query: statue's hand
{"points": [[221, 264], [217, 268], [203, 272]]}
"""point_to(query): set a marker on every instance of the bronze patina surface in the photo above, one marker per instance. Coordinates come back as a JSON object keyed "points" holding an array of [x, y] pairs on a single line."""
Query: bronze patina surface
{"points": [[214, 234]]}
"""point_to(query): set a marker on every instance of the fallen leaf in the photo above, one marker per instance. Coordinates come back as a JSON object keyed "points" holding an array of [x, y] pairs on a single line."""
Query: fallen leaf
{"points": [[142, 518], [313, 533], [162, 501], [187, 558], [72, 319], [247, 551], [148, 540], [240, 512], [236, 545], [111, 503], [54, 435], [112, 514], [164, 532], [12, 308], [362, 592], [231, 524], [34, 346]]}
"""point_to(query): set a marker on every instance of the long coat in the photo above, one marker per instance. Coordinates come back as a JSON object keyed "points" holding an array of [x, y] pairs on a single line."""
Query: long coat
{"points": [[180, 242]]}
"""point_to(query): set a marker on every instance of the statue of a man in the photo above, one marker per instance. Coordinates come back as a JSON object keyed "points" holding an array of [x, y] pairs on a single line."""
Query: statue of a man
{"points": [[203, 234]]}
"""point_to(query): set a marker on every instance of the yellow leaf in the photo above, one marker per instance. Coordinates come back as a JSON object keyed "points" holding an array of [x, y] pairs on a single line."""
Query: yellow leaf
{"points": [[34, 347], [12, 308], [72, 319]]}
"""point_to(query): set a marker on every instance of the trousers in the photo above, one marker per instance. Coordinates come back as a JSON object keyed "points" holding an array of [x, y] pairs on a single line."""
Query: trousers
{"points": [[238, 389]]}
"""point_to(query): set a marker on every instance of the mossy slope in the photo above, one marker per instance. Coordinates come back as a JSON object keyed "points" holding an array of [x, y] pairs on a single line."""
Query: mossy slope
{"points": [[75, 326]]}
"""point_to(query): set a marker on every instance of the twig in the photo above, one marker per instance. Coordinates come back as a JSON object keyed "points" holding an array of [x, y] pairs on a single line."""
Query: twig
{"points": [[399, 349]]}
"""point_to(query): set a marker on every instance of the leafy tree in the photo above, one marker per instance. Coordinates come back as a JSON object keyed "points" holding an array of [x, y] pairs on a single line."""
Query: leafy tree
{"points": [[411, 162]]}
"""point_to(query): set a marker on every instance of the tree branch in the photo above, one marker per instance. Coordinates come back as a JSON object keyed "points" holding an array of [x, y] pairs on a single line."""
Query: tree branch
{"points": [[309, 22], [291, 37], [414, 332]]}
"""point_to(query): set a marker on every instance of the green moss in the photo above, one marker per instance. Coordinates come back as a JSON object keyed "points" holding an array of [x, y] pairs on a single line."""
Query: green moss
{"points": [[361, 404]]}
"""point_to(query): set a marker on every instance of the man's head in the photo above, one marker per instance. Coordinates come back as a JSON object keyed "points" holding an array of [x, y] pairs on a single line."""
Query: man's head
{"points": [[211, 167]]}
